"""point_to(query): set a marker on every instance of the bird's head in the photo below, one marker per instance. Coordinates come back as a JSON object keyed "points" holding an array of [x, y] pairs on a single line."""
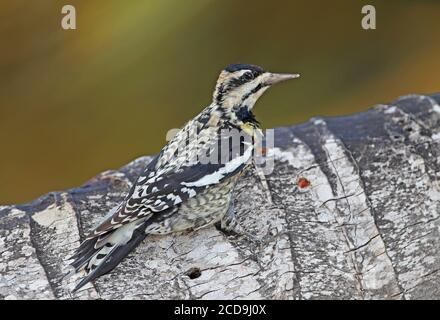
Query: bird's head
{"points": [[240, 85]]}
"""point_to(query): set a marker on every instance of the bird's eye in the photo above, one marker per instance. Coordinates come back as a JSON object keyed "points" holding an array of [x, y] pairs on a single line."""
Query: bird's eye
{"points": [[248, 76]]}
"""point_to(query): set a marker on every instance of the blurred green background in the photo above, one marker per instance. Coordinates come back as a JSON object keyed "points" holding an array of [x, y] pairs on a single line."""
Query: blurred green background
{"points": [[74, 103]]}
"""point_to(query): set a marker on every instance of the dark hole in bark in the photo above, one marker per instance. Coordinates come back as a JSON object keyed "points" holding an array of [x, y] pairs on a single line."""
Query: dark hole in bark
{"points": [[194, 273]]}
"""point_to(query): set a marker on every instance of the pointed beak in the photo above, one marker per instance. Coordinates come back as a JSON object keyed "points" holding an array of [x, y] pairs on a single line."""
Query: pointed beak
{"points": [[278, 77]]}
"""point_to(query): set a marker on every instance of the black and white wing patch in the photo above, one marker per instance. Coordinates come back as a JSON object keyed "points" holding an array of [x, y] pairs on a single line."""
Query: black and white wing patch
{"points": [[161, 190]]}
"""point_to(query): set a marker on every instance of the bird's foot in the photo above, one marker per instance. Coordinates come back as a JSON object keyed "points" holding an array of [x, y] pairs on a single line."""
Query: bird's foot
{"points": [[230, 226]]}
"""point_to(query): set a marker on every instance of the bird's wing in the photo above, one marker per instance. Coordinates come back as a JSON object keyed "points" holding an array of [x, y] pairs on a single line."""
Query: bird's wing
{"points": [[162, 191]]}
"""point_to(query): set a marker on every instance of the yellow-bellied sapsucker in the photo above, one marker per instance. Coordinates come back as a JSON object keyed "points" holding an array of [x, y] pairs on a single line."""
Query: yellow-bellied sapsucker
{"points": [[188, 185]]}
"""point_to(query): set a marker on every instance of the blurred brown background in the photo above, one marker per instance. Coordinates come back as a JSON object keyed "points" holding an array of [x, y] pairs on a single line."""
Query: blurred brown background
{"points": [[74, 103]]}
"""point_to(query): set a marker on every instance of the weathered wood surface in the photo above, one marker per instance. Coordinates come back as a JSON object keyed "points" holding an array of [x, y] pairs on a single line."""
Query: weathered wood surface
{"points": [[367, 226]]}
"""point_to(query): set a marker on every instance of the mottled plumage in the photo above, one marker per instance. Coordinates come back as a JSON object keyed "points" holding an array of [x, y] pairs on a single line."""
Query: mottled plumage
{"points": [[189, 184]]}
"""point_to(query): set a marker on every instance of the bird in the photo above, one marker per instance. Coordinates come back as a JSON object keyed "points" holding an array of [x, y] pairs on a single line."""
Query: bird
{"points": [[189, 184]]}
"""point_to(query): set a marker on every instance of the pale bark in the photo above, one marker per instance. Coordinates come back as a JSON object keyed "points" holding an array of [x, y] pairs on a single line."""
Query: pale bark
{"points": [[367, 226]]}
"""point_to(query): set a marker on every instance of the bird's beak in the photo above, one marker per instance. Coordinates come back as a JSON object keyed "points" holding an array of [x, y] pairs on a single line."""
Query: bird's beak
{"points": [[273, 78]]}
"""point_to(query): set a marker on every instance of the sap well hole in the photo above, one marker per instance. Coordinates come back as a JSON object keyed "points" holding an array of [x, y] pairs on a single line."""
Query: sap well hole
{"points": [[194, 273]]}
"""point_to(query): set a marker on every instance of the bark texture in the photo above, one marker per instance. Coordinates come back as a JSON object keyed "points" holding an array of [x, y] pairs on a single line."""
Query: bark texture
{"points": [[351, 211]]}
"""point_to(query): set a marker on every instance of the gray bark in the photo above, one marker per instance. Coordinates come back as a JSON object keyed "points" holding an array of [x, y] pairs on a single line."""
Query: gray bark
{"points": [[366, 227]]}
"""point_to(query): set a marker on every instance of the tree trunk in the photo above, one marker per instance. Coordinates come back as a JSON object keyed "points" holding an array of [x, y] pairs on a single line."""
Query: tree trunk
{"points": [[351, 211]]}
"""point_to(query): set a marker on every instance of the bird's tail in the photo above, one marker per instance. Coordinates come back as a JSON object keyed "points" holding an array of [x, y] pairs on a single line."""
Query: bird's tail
{"points": [[100, 255]]}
